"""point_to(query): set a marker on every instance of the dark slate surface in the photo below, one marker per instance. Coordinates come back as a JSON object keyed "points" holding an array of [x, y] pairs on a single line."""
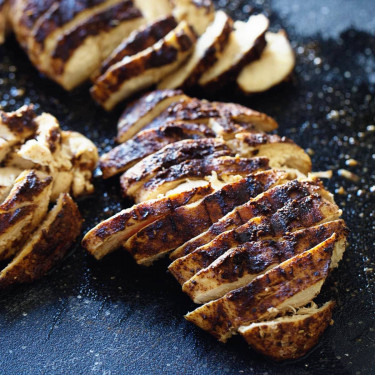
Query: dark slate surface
{"points": [[112, 317]]}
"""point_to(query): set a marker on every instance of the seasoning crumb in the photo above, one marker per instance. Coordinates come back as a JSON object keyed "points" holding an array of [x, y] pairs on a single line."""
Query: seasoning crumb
{"points": [[348, 175], [341, 191], [351, 162], [321, 174], [371, 128], [310, 151]]}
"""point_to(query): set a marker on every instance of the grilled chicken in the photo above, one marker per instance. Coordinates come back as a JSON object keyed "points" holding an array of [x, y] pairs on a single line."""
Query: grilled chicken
{"points": [[153, 10], [198, 13], [165, 234], [208, 49], [292, 284], [265, 204], [274, 66], [240, 265], [290, 336], [68, 40], [111, 233], [141, 112], [7, 177], [246, 43], [172, 154], [22, 210], [149, 141], [139, 40], [15, 127], [300, 213], [142, 70], [47, 246]]}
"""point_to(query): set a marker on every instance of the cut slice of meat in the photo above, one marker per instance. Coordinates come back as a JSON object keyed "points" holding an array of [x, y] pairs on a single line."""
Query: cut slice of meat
{"points": [[144, 110], [292, 284], [198, 13], [147, 142], [266, 204], [47, 246], [138, 72], [172, 154], [207, 51], [240, 265], [23, 209], [291, 336], [246, 43], [7, 177], [281, 151], [109, 234], [203, 112], [15, 127], [153, 10], [80, 50], [225, 168], [139, 40], [300, 213], [165, 234], [274, 66]]}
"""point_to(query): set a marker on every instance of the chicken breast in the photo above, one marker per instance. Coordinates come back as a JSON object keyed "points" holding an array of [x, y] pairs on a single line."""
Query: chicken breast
{"points": [[23, 210], [292, 284], [7, 177], [47, 246], [274, 66], [299, 213], [153, 10], [139, 40], [144, 110], [165, 234], [172, 154], [291, 336], [198, 13], [15, 127], [208, 49], [147, 142], [111, 233], [140, 71], [226, 169], [246, 43], [266, 203], [240, 265]]}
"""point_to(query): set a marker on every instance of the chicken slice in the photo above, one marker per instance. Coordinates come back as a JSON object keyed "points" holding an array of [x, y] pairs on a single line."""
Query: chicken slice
{"points": [[226, 169], [138, 72], [264, 204], [15, 127], [109, 234], [198, 13], [281, 151], [138, 41], [23, 209], [153, 10], [147, 142], [144, 110], [172, 154], [207, 51], [7, 177], [240, 265], [47, 246], [274, 66], [292, 284], [165, 234], [246, 43], [291, 217], [291, 336], [205, 112], [80, 50]]}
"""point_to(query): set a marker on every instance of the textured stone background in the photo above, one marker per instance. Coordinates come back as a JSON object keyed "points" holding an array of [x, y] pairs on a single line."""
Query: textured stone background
{"points": [[112, 317]]}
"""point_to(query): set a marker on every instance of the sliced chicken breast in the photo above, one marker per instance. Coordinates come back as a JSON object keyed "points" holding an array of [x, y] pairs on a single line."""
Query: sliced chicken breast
{"points": [[47, 246], [292, 284], [208, 49], [7, 177], [138, 72], [165, 234], [111, 233], [246, 43], [291, 336], [274, 66]]}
